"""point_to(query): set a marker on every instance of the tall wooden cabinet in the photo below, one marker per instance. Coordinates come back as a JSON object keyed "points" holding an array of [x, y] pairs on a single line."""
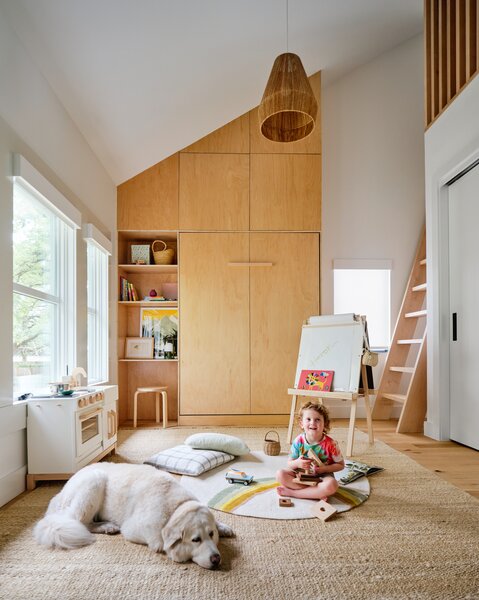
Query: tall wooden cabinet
{"points": [[245, 215], [244, 297]]}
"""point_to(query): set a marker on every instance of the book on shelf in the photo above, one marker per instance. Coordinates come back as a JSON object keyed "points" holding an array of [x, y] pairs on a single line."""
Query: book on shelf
{"points": [[154, 299], [315, 379], [358, 469], [128, 292]]}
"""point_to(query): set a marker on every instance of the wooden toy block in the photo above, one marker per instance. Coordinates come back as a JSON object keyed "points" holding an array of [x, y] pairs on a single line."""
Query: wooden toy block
{"points": [[285, 502], [308, 477], [313, 456], [296, 480], [323, 510]]}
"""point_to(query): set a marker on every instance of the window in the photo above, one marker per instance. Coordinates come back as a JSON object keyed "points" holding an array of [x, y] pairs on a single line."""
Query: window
{"points": [[363, 287], [98, 250], [44, 307]]}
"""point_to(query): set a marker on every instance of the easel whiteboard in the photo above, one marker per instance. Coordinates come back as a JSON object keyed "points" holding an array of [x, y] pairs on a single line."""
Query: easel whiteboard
{"points": [[333, 343]]}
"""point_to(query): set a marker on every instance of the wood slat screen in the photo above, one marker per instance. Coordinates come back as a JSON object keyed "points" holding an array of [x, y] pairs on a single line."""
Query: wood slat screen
{"points": [[451, 52]]}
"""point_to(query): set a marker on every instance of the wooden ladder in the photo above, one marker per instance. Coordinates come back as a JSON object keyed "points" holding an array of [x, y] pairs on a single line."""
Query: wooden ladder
{"points": [[404, 377]]}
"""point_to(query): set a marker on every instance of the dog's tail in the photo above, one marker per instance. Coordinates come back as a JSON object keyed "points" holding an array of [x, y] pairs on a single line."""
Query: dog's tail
{"points": [[61, 530]]}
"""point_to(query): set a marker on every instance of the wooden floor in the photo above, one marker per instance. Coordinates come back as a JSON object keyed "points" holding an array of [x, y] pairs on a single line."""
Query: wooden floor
{"points": [[456, 464]]}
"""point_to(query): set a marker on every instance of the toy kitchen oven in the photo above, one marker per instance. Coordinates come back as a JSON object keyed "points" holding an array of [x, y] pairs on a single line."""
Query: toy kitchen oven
{"points": [[65, 433]]}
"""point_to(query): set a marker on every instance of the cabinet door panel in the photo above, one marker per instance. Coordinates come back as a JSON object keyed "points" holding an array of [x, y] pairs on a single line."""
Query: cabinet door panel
{"points": [[214, 324], [232, 137], [285, 192], [282, 297], [214, 191], [150, 199]]}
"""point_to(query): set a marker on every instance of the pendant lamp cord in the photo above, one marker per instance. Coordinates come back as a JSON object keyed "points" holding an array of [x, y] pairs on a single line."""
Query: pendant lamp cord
{"points": [[287, 25]]}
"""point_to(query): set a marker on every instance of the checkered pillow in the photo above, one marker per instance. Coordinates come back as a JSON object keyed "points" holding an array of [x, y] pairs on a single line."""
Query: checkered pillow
{"points": [[185, 460]]}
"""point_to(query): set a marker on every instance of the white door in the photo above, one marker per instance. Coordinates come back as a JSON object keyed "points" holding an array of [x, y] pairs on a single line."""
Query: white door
{"points": [[464, 308]]}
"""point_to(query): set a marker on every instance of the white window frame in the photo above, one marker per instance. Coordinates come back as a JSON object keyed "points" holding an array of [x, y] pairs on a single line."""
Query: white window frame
{"points": [[32, 182], [98, 252], [368, 264]]}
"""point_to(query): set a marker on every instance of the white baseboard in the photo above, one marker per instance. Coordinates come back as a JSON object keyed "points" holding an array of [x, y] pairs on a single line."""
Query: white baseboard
{"points": [[12, 485]]}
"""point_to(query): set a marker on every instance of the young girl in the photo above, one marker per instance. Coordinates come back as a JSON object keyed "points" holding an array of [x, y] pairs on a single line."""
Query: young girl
{"points": [[314, 421]]}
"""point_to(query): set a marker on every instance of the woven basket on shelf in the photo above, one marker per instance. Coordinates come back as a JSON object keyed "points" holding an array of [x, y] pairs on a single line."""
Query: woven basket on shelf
{"points": [[271, 447], [162, 255]]}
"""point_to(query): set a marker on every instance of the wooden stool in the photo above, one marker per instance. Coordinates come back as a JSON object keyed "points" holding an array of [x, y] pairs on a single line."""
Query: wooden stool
{"points": [[157, 391]]}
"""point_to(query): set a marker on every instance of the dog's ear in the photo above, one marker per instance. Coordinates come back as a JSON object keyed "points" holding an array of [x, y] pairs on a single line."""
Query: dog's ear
{"points": [[172, 534]]}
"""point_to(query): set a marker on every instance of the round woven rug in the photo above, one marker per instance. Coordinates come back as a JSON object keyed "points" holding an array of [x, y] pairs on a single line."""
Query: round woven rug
{"points": [[260, 499]]}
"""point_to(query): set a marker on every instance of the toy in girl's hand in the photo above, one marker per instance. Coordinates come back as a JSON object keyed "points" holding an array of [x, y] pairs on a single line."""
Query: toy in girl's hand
{"points": [[304, 464]]}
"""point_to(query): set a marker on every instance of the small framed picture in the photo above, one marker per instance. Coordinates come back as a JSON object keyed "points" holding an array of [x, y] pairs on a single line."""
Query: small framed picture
{"points": [[139, 347], [140, 254]]}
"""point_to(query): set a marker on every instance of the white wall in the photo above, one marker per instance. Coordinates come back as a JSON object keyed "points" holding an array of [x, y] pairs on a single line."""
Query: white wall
{"points": [[452, 144], [373, 168], [34, 123]]}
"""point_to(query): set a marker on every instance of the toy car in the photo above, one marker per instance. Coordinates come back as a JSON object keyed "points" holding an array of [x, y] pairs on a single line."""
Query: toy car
{"points": [[235, 476]]}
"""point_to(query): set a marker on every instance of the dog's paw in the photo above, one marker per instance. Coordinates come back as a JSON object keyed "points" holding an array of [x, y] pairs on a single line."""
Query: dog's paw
{"points": [[104, 527], [224, 530]]}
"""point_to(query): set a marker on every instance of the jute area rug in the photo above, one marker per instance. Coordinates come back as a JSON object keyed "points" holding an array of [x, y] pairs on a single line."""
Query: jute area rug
{"points": [[259, 499], [415, 538]]}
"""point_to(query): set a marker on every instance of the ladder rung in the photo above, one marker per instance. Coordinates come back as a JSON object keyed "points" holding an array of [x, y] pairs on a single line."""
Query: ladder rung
{"points": [[423, 261], [409, 341], [395, 397], [417, 313], [420, 288], [402, 369]]}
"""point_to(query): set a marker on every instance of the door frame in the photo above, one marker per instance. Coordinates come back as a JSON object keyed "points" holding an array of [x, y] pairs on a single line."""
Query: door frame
{"points": [[437, 425], [451, 145]]}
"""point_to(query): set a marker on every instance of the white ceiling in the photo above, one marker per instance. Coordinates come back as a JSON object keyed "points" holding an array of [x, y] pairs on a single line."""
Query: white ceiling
{"points": [[144, 78]]}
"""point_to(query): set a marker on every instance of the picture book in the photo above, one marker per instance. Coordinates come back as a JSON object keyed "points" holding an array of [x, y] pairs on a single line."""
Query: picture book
{"points": [[357, 470], [316, 380]]}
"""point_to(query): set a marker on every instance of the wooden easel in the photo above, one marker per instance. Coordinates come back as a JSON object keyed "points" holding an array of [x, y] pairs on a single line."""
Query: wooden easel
{"points": [[304, 395], [339, 340]]}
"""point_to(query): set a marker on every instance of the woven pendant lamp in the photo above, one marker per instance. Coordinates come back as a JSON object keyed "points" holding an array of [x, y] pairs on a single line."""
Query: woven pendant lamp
{"points": [[288, 110]]}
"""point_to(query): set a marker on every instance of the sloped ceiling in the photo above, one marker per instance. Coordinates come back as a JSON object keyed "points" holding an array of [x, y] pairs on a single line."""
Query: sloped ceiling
{"points": [[144, 78]]}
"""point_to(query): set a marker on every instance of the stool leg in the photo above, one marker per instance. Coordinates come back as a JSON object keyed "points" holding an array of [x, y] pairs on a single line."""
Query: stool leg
{"points": [[165, 409], [135, 408], [157, 401]]}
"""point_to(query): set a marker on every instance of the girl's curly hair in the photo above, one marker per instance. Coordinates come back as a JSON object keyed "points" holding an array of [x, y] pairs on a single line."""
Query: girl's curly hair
{"points": [[319, 408]]}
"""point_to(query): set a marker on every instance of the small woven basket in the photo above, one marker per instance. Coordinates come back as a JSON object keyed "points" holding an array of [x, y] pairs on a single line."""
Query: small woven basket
{"points": [[271, 447], [162, 255]]}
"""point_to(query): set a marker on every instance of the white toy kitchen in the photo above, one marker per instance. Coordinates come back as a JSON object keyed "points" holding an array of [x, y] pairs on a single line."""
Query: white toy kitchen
{"points": [[65, 433]]}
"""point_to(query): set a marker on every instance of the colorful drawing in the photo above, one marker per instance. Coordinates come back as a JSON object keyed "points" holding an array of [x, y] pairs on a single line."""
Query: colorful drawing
{"points": [[162, 325], [316, 380]]}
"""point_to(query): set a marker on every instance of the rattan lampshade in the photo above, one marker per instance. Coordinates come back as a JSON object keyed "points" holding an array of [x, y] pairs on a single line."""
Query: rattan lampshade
{"points": [[288, 110]]}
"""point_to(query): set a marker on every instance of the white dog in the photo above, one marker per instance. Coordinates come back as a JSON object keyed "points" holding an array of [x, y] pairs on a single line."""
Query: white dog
{"points": [[146, 505]]}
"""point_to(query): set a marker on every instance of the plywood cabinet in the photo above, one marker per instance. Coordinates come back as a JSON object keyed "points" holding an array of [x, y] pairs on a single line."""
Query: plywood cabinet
{"points": [[214, 191], [285, 192], [232, 137], [243, 300], [281, 298], [150, 200], [244, 215], [214, 332]]}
